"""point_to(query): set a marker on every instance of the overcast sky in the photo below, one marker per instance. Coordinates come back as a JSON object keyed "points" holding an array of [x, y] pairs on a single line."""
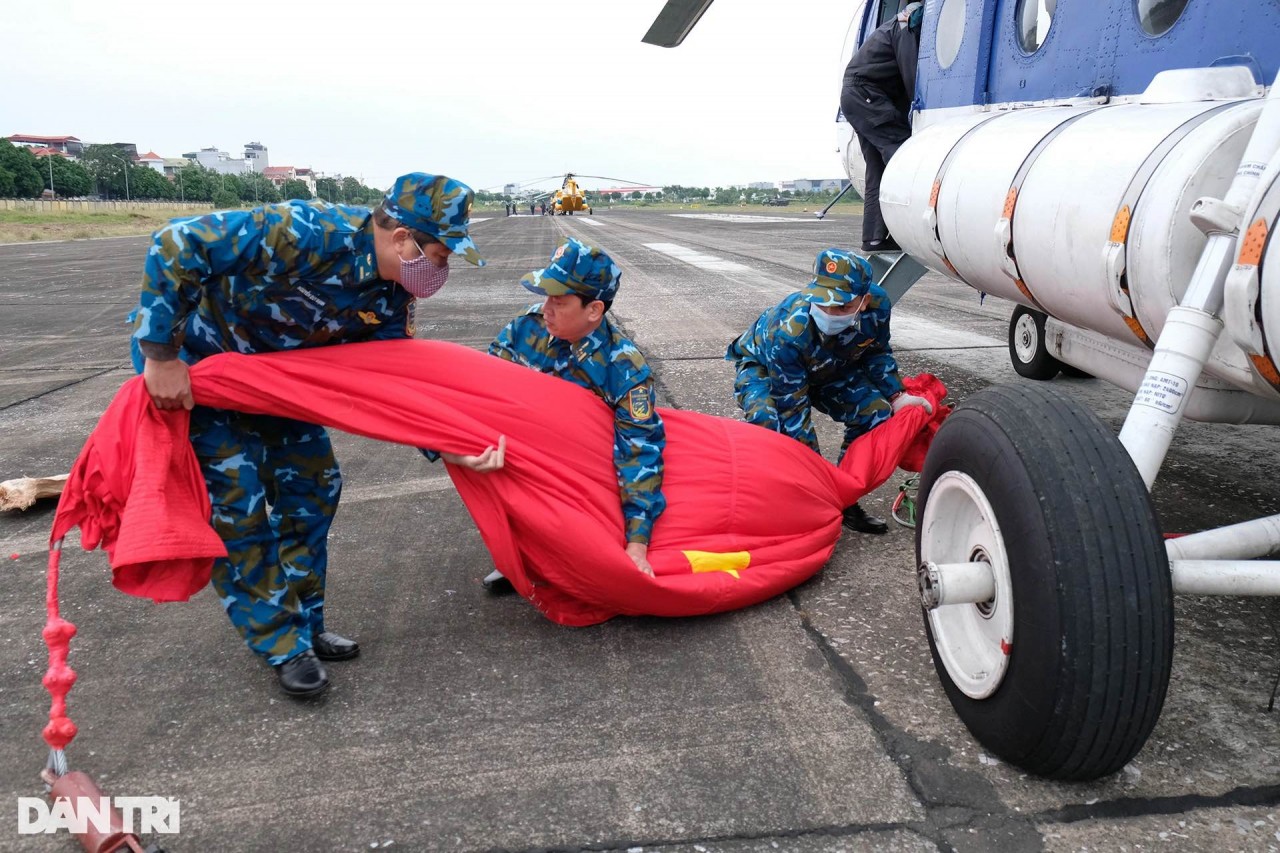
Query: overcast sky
{"points": [[488, 91]]}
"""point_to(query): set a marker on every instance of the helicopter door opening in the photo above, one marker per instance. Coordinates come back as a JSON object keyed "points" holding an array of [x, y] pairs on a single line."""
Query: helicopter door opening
{"points": [[869, 15]]}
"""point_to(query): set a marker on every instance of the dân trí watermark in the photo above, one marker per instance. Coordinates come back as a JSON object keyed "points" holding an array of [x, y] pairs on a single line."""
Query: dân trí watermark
{"points": [[140, 815]]}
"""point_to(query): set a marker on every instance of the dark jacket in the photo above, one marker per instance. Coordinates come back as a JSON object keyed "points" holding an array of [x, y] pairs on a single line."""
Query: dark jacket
{"points": [[881, 76]]}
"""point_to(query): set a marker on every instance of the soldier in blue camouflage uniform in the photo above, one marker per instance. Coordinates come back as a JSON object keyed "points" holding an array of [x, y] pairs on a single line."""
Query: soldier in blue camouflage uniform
{"points": [[569, 335], [280, 277], [824, 347]]}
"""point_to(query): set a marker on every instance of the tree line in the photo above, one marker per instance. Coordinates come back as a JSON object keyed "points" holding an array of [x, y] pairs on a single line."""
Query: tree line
{"points": [[109, 172]]}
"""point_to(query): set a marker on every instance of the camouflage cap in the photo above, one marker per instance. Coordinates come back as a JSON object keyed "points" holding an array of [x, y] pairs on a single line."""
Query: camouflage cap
{"points": [[576, 268], [435, 205], [839, 277]]}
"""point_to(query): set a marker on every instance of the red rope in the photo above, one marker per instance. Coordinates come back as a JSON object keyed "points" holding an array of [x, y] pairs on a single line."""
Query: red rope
{"points": [[59, 677]]}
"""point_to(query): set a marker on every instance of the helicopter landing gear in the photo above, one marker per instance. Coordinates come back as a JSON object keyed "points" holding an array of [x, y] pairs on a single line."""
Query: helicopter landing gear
{"points": [[1027, 351], [1048, 602]]}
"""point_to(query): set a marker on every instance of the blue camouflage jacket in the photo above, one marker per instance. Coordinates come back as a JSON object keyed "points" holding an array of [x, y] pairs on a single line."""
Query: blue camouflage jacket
{"points": [[609, 365], [281, 276], [799, 359]]}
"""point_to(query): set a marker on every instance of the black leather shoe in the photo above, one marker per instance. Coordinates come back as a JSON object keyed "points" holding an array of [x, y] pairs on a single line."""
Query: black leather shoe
{"points": [[856, 518], [886, 245], [495, 583], [303, 675], [330, 646]]}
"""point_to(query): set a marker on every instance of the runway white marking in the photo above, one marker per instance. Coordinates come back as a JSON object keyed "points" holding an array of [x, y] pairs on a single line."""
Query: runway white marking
{"points": [[697, 259], [590, 222], [476, 219], [742, 217], [910, 331]]}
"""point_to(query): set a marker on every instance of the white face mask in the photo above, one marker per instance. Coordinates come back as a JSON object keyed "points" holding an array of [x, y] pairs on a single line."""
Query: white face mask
{"points": [[421, 277], [832, 324]]}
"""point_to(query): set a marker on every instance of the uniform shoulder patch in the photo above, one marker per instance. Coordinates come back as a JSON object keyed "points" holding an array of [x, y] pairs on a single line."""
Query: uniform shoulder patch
{"points": [[640, 402]]}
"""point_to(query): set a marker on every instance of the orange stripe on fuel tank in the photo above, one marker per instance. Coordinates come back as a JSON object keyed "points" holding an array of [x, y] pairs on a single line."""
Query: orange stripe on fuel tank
{"points": [[1026, 291], [1120, 225], [1255, 239], [1010, 201], [1266, 369], [933, 194], [1136, 328]]}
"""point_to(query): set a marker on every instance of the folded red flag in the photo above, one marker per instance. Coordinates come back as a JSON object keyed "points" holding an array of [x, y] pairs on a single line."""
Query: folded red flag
{"points": [[750, 513]]}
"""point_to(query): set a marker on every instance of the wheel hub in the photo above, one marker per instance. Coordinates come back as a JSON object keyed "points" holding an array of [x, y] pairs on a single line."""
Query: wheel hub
{"points": [[1026, 339], [974, 641]]}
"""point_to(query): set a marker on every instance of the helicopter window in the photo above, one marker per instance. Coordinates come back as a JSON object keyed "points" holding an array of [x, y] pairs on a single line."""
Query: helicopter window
{"points": [[1034, 18], [950, 32], [1158, 16]]}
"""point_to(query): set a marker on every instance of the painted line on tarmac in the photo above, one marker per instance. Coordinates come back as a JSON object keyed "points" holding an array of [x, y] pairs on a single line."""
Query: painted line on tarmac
{"points": [[915, 332], [476, 219], [596, 222], [742, 217], [80, 240], [384, 491], [697, 259]]}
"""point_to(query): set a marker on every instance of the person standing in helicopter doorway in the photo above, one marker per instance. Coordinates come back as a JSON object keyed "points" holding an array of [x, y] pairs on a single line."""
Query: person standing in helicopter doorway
{"points": [[879, 85]]}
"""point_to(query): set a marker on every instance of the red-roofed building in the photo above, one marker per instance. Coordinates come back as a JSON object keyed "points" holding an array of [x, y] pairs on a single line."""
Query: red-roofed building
{"points": [[154, 160], [68, 146], [279, 174], [45, 152]]}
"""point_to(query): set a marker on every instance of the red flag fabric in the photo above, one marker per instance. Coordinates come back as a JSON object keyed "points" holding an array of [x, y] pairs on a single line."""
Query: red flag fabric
{"points": [[750, 513]]}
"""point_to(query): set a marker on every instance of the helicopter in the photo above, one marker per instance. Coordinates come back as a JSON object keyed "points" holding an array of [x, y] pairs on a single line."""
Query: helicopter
{"points": [[566, 200], [569, 198], [1046, 583]]}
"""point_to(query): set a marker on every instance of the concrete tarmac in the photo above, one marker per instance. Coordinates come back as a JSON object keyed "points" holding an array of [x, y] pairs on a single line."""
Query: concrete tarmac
{"points": [[814, 721]]}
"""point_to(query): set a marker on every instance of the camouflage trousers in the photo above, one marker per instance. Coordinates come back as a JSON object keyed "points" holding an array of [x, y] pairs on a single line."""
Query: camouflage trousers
{"points": [[274, 484], [853, 401]]}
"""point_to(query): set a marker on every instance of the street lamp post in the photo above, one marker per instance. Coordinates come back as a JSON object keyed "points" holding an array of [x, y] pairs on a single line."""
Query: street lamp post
{"points": [[124, 160], [52, 192]]}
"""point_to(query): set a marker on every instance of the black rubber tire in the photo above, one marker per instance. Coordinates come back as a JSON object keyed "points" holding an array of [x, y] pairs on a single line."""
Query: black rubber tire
{"points": [[1092, 640], [1075, 372], [1041, 366]]}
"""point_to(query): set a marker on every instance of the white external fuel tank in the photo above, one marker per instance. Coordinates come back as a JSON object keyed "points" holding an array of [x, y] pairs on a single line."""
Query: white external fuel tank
{"points": [[1082, 212]]}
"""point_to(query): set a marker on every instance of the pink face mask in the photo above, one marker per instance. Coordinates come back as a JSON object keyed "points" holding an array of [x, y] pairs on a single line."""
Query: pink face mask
{"points": [[421, 277]]}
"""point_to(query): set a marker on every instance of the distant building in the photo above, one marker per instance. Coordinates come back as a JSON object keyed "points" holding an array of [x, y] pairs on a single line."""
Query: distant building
{"points": [[627, 191], [128, 149], [307, 176], [68, 146], [255, 156], [279, 174], [809, 185], [510, 189], [154, 160], [218, 161], [173, 164], [761, 185]]}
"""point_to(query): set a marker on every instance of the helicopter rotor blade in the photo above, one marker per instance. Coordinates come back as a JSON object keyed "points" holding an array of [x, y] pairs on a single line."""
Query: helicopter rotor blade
{"points": [[618, 180], [674, 22]]}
